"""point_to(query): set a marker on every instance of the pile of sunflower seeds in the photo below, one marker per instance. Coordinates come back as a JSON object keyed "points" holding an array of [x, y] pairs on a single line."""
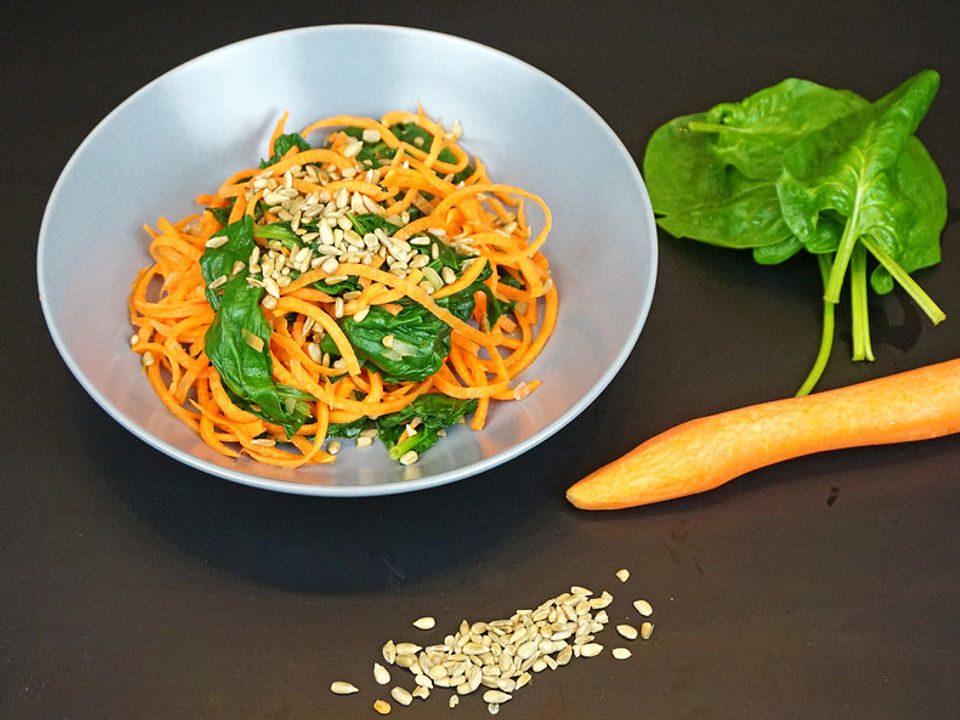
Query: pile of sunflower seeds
{"points": [[501, 656]]}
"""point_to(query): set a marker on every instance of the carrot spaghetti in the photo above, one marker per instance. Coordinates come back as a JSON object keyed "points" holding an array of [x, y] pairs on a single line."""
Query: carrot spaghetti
{"points": [[377, 284]]}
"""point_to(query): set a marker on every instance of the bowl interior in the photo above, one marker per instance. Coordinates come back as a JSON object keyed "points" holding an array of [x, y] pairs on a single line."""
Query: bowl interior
{"points": [[185, 132]]}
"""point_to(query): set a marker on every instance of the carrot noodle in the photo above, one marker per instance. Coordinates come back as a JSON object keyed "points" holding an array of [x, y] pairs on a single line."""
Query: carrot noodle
{"points": [[458, 206]]}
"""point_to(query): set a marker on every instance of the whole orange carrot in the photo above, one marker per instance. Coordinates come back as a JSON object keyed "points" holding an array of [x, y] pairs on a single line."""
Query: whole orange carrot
{"points": [[704, 453]]}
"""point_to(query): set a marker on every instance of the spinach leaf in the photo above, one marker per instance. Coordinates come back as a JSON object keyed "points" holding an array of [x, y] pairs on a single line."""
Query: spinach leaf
{"points": [[700, 196], [282, 145], [420, 340], [238, 340], [753, 134], [222, 214], [435, 412], [843, 167], [348, 429], [279, 231], [216, 262], [368, 222]]}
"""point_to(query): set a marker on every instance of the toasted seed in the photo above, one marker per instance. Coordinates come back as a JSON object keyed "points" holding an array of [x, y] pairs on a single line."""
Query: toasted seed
{"points": [[380, 674], [218, 241], [408, 648], [591, 650], [269, 302], [623, 574], [341, 687], [425, 623], [454, 700], [627, 631], [643, 607], [389, 651], [409, 457], [382, 707], [496, 696], [421, 692], [621, 653], [493, 708], [401, 695], [646, 630], [148, 359]]}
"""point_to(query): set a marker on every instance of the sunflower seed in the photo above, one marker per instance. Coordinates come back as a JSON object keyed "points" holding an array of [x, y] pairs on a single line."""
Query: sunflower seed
{"points": [[340, 687], [643, 607], [425, 623], [646, 630], [389, 651], [381, 674], [621, 653], [591, 650], [401, 695], [623, 575]]}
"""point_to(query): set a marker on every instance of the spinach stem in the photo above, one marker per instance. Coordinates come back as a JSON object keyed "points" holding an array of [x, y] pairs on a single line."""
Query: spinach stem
{"points": [[697, 126], [914, 290], [831, 292], [859, 313], [826, 334]]}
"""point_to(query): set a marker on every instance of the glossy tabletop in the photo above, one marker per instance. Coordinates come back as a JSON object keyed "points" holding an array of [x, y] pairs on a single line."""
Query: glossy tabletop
{"points": [[132, 586]]}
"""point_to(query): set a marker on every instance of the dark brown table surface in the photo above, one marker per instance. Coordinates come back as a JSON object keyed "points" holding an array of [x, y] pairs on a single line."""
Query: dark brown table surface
{"points": [[827, 587]]}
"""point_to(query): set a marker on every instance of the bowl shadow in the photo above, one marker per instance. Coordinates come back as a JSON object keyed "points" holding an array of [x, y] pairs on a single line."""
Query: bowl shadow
{"points": [[321, 544]]}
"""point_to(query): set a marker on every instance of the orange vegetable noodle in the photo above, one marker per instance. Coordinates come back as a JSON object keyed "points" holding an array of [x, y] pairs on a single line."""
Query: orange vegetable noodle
{"points": [[371, 281]]}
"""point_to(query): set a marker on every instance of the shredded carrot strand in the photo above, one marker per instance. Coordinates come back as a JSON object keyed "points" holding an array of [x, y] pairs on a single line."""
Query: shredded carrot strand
{"points": [[169, 310]]}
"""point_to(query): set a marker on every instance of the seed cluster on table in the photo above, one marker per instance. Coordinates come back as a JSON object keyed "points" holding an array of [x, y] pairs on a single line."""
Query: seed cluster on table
{"points": [[501, 656]]}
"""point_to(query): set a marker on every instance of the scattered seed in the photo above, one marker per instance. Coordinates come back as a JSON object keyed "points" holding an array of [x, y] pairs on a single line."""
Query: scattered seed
{"points": [[148, 359], [333, 447], [627, 631], [408, 648], [389, 652], [643, 607], [646, 630], [493, 708], [623, 574], [426, 622], [454, 700], [409, 457], [421, 692], [382, 707], [381, 674], [401, 695], [217, 241], [591, 650], [621, 653], [341, 687]]}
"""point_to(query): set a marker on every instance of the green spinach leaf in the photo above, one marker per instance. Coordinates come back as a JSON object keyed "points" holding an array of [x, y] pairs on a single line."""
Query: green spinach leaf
{"points": [[753, 134], [435, 412], [699, 196], [282, 145], [843, 167], [238, 340]]}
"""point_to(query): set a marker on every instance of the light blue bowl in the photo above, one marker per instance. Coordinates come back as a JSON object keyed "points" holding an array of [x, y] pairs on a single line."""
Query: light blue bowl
{"points": [[185, 132]]}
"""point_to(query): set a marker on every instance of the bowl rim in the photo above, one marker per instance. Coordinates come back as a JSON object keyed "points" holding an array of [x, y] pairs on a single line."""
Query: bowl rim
{"points": [[387, 488]]}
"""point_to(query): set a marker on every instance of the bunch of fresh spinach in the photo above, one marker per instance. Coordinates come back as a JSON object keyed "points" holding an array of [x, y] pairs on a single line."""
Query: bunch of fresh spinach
{"points": [[799, 166]]}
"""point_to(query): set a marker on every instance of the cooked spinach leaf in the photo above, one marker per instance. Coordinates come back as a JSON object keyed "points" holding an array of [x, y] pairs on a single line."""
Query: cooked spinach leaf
{"points": [[282, 145], [435, 411], [238, 340]]}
